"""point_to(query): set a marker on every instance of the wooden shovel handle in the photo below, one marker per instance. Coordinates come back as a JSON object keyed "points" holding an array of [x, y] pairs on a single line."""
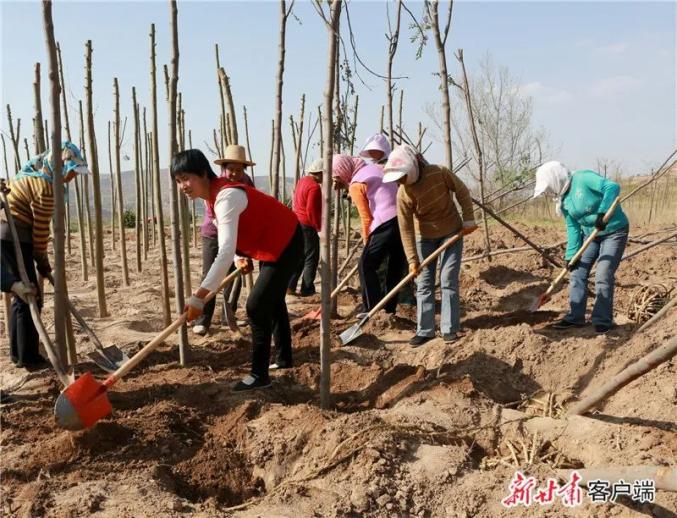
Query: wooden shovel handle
{"points": [[583, 247], [344, 282], [150, 346], [411, 275]]}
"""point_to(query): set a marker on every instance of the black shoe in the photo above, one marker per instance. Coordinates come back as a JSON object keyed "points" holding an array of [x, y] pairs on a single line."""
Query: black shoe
{"points": [[565, 324], [602, 329], [280, 365], [251, 382], [450, 337], [37, 363], [419, 340]]}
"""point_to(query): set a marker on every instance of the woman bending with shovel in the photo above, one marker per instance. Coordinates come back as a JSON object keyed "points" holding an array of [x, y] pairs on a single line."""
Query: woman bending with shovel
{"points": [[31, 200], [588, 203], [258, 227], [428, 218], [377, 207]]}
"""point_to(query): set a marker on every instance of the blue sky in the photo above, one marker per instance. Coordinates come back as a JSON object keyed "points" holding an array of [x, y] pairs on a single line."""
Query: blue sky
{"points": [[602, 74]]}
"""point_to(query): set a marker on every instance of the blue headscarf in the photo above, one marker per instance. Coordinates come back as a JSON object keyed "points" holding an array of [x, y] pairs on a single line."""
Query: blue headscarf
{"points": [[40, 164]]}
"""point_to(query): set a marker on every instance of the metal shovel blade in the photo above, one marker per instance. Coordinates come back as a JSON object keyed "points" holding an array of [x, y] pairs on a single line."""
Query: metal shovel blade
{"points": [[103, 362], [538, 302], [315, 314], [350, 334], [82, 404]]}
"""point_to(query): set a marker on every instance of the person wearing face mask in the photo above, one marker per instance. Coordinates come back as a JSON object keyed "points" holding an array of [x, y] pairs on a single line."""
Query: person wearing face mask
{"points": [[377, 207], [232, 169], [583, 197], [376, 148], [259, 227], [31, 201], [427, 218]]}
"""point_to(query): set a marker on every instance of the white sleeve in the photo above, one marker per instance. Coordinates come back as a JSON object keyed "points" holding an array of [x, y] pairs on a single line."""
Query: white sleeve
{"points": [[230, 203]]}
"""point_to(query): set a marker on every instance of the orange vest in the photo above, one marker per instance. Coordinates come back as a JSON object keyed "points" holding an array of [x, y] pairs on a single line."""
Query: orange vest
{"points": [[265, 227]]}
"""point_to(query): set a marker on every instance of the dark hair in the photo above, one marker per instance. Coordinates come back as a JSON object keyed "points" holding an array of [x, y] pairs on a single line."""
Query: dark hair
{"points": [[191, 161]]}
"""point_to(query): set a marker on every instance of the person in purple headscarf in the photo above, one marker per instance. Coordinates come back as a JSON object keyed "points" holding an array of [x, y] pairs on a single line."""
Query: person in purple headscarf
{"points": [[377, 206]]}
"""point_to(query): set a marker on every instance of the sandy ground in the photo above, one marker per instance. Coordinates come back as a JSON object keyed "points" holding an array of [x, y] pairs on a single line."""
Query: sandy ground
{"points": [[412, 432]]}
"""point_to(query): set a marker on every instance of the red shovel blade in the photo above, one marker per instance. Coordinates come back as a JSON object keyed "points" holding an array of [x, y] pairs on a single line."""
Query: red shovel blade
{"points": [[82, 404], [316, 314]]}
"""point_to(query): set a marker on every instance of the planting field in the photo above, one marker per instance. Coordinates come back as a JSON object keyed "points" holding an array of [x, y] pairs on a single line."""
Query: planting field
{"points": [[412, 432]]}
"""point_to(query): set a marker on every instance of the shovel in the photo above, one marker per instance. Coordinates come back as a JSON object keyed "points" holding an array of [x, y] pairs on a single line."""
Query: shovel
{"points": [[54, 359], [317, 313], [108, 358], [353, 332], [85, 401], [545, 297]]}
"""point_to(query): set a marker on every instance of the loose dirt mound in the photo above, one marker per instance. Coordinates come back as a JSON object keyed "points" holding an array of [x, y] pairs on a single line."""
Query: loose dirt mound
{"points": [[411, 431]]}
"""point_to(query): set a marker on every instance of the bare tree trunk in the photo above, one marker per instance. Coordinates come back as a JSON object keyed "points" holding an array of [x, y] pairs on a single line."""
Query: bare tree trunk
{"points": [[118, 184], [38, 128], [246, 132], [319, 117], [325, 248], [297, 171], [85, 191], [440, 37], [60, 287], [15, 137], [4, 156], [145, 184], [270, 162], [113, 212], [347, 218], [137, 180], [156, 184], [79, 192], [222, 119], [627, 375], [284, 14], [382, 115], [337, 124], [478, 148], [230, 117], [174, 205], [26, 149], [94, 165], [393, 37], [399, 124]]}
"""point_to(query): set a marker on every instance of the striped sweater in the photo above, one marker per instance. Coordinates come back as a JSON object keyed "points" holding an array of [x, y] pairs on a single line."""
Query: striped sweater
{"points": [[32, 203]]}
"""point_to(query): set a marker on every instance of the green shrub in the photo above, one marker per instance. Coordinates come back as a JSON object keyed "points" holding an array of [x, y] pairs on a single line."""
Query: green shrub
{"points": [[129, 219]]}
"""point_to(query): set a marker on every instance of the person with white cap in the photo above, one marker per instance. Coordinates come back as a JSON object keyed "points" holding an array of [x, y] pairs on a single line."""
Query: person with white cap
{"points": [[427, 218], [233, 165], [256, 226], [31, 201], [583, 197], [307, 206], [376, 148], [377, 206]]}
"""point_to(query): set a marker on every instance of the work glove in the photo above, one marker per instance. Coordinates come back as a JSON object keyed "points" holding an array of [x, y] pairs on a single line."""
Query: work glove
{"points": [[42, 264], [194, 308], [415, 268], [245, 265], [469, 227], [571, 265], [23, 291], [599, 222]]}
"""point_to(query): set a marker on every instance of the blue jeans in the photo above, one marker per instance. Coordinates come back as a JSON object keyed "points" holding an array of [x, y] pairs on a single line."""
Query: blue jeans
{"points": [[450, 268], [607, 250]]}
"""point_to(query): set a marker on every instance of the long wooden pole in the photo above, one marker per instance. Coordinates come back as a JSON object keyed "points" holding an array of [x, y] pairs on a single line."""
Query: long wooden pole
{"points": [[164, 279], [94, 166], [174, 205], [118, 184]]}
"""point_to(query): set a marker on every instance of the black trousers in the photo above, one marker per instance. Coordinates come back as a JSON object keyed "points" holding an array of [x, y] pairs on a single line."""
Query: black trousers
{"points": [[307, 267], [267, 309], [210, 249], [383, 243], [24, 339]]}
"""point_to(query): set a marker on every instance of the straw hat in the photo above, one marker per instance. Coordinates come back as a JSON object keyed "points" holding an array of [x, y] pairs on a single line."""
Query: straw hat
{"points": [[234, 154]]}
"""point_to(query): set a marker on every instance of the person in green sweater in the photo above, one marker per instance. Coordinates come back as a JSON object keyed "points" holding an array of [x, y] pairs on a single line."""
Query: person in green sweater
{"points": [[427, 217], [583, 197]]}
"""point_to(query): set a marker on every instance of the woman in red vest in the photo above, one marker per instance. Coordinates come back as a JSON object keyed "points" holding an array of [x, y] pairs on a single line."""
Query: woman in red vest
{"points": [[255, 226]]}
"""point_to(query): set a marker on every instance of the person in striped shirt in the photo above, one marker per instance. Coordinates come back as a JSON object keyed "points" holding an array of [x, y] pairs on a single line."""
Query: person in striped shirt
{"points": [[31, 201]]}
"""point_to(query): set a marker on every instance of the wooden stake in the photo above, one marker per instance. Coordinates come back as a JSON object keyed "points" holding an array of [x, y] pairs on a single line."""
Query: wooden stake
{"points": [[118, 185], [94, 166], [249, 151], [38, 128], [137, 180], [157, 194], [15, 137]]}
